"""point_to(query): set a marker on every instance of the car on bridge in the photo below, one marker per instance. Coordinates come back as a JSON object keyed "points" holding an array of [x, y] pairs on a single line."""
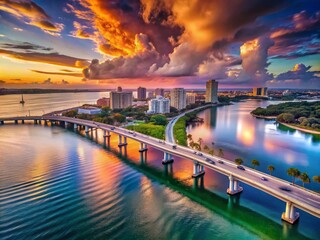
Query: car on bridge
{"points": [[241, 168], [174, 147], [210, 161], [220, 161]]}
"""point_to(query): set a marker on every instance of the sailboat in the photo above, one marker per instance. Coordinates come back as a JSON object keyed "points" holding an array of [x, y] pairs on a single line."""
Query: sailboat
{"points": [[22, 101]]}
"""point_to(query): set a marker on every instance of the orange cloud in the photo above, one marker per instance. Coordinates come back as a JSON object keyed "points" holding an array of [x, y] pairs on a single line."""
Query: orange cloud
{"points": [[32, 14]]}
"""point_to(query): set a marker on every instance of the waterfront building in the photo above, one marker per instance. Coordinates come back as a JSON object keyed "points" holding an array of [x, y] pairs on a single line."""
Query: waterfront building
{"points": [[142, 93], [103, 102], [150, 94], [119, 89], [120, 100], [260, 91], [159, 105], [191, 98], [159, 92], [212, 91], [178, 98], [89, 110]]}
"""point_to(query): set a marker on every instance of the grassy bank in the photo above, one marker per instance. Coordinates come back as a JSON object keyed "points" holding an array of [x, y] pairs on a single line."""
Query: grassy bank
{"points": [[179, 131], [157, 131]]}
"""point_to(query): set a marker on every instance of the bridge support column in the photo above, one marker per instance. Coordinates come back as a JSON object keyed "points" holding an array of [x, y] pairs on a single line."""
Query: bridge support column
{"points": [[143, 152], [86, 129], [75, 126], [16, 121], [122, 144], [167, 158], [198, 170], [65, 124], [22, 121], [106, 137], [234, 187], [2, 122], [290, 215], [35, 121]]}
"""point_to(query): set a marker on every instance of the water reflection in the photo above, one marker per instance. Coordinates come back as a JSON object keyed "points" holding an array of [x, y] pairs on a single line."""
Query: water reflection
{"points": [[233, 129]]}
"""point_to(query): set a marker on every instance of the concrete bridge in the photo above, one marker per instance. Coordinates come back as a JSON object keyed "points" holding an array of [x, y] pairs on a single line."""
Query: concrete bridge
{"points": [[294, 196]]}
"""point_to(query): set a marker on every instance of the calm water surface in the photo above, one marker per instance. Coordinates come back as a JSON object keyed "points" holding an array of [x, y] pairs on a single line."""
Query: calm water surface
{"points": [[59, 184]]}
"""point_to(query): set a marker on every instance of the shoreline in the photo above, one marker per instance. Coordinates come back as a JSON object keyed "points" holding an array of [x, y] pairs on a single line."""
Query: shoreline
{"points": [[286, 124], [264, 117], [300, 129]]}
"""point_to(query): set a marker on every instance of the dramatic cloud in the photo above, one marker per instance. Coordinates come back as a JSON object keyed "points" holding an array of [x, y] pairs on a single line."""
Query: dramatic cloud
{"points": [[202, 29], [32, 14], [115, 24], [300, 75], [126, 67], [300, 38]]}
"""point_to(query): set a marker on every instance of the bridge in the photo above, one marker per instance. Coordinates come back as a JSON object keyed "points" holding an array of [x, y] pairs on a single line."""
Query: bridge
{"points": [[294, 196]]}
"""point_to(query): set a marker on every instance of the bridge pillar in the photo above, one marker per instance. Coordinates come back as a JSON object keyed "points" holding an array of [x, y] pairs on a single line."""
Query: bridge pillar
{"points": [[106, 137], [2, 122], [290, 215], [65, 124], [124, 143], [22, 121], [234, 187], [167, 158], [198, 170], [35, 121], [86, 129], [143, 152], [75, 126]]}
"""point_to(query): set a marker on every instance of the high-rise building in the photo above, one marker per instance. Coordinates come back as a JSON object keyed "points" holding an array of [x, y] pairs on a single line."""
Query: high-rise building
{"points": [[119, 89], [191, 98], [212, 91], [120, 100], [142, 93], [159, 92], [159, 105], [262, 91], [178, 98], [103, 102]]}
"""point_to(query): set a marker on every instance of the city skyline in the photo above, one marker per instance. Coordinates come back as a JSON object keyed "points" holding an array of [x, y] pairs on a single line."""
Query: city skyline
{"points": [[100, 44]]}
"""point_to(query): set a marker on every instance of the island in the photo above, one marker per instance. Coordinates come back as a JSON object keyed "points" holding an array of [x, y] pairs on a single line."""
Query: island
{"points": [[303, 116]]}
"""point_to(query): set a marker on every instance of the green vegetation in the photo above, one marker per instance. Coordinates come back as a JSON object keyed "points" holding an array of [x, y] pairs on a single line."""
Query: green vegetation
{"points": [[255, 163], [238, 161], [294, 173], [304, 178], [301, 114], [179, 131], [271, 169], [159, 120], [157, 131]]}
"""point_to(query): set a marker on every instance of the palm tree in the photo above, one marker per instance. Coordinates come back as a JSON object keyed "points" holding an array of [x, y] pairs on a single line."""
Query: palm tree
{"points": [[304, 178], [189, 136], [238, 161], [200, 141], [211, 152], [205, 148], [220, 154], [294, 173], [316, 179], [197, 146], [271, 169], [255, 163]]}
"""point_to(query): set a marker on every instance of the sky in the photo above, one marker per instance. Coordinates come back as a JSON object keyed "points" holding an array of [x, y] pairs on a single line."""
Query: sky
{"points": [[159, 43]]}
